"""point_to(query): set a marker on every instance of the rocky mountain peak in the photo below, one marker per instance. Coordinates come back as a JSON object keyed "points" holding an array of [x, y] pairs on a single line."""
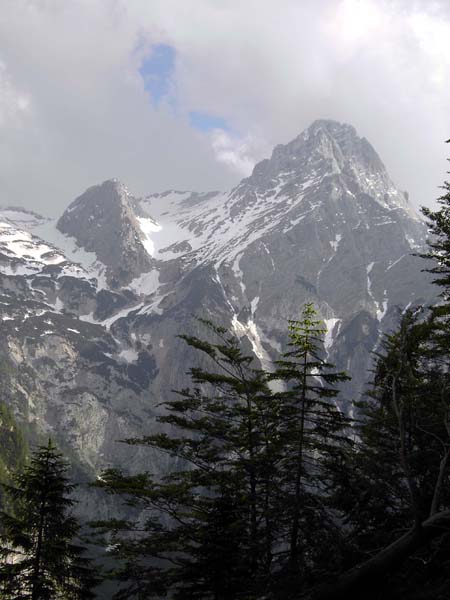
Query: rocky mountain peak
{"points": [[332, 141], [103, 220], [329, 150], [98, 201]]}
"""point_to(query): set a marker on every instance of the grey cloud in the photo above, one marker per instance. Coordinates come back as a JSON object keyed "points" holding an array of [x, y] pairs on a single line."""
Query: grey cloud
{"points": [[381, 65], [88, 116], [73, 109]]}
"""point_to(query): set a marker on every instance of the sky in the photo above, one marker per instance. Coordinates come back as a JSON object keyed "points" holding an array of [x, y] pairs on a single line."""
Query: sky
{"points": [[190, 94]]}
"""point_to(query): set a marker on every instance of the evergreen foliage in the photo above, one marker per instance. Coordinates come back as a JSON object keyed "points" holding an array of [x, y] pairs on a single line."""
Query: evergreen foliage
{"points": [[316, 437], [229, 507], [40, 559], [405, 437], [439, 243]]}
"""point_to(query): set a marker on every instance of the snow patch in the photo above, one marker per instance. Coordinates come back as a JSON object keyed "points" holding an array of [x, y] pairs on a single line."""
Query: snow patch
{"points": [[369, 282], [237, 271], [148, 226], [336, 241], [128, 355], [254, 304], [21, 245], [382, 307], [122, 314], [250, 330], [395, 262], [146, 284], [332, 332]]}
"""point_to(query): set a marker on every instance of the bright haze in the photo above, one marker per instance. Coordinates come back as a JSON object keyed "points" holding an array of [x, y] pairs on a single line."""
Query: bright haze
{"points": [[189, 94]]}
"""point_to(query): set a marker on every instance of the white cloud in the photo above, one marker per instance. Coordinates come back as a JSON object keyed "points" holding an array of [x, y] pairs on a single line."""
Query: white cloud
{"points": [[14, 105], [73, 109], [381, 65], [239, 154], [90, 117]]}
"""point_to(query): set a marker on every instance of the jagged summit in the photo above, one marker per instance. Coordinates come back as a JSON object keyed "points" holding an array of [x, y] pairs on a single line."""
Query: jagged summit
{"points": [[332, 139], [104, 220], [99, 197], [328, 169], [330, 150]]}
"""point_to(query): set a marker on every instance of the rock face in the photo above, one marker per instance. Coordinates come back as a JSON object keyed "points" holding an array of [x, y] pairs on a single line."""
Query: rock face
{"points": [[92, 305], [102, 220]]}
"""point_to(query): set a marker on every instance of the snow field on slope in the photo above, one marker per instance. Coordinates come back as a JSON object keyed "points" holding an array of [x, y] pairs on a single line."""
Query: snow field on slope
{"points": [[89, 266], [20, 244], [210, 228]]}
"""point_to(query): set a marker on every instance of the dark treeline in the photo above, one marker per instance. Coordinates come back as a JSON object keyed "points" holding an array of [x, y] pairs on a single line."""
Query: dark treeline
{"points": [[276, 493]]}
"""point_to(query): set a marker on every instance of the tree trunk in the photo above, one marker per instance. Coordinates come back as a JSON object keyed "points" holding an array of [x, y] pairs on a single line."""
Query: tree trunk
{"points": [[370, 574], [36, 573], [293, 546]]}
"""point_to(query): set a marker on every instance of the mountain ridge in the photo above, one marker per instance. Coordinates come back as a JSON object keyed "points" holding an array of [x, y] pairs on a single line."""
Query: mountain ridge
{"points": [[320, 221]]}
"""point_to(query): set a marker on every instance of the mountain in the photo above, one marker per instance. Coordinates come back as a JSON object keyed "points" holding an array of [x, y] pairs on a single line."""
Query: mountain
{"points": [[122, 245], [91, 304]]}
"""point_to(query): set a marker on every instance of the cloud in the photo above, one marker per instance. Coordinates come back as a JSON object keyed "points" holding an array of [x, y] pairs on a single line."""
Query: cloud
{"points": [[237, 153], [14, 105], [77, 79], [90, 116], [269, 71]]}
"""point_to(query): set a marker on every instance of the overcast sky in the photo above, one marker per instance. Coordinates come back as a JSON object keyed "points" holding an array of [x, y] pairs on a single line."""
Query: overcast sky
{"points": [[189, 94]]}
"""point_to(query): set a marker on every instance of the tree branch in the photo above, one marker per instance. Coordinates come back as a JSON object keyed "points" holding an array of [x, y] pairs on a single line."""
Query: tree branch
{"points": [[372, 573]]}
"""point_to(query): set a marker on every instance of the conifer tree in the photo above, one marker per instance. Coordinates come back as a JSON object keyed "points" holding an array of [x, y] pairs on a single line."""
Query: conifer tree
{"points": [[439, 243], [250, 490], [40, 557], [439, 254], [224, 502], [404, 425], [315, 435], [399, 483]]}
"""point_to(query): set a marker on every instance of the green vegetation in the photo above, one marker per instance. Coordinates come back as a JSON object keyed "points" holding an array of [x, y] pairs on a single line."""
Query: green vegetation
{"points": [[247, 512], [40, 558]]}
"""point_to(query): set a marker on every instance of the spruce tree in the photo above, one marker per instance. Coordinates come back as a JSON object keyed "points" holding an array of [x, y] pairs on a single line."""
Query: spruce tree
{"points": [[249, 498], [400, 475], [403, 421], [439, 242], [223, 506], [40, 556], [315, 436], [439, 254]]}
